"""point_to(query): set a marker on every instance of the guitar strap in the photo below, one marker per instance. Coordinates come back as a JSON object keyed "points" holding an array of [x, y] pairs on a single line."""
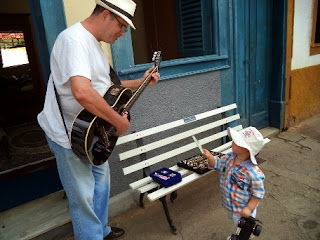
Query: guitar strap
{"points": [[114, 78], [57, 97]]}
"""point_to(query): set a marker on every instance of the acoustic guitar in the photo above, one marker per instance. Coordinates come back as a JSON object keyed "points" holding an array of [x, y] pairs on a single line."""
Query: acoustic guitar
{"points": [[92, 137]]}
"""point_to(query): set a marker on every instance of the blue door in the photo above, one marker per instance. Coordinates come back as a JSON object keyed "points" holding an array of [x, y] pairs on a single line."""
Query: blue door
{"points": [[252, 64]]}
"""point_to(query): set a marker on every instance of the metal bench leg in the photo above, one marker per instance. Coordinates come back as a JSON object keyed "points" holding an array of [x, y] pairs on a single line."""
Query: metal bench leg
{"points": [[141, 200], [173, 196], [166, 210]]}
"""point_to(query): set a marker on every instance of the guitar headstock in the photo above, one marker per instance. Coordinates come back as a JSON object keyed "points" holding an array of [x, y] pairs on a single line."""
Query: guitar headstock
{"points": [[156, 58]]}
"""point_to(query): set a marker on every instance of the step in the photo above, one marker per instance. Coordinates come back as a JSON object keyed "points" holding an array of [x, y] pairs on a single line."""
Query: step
{"points": [[35, 218], [269, 132]]}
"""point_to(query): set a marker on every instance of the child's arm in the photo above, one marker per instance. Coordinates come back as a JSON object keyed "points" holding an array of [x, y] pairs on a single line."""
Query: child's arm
{"points": [[247, 210], [211, 159]]}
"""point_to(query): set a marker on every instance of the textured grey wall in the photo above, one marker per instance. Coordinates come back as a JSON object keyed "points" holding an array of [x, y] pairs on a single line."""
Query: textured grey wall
{"points": [[165, 102]]}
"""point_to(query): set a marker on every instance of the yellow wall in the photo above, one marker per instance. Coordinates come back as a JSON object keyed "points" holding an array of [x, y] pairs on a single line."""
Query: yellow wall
{"points": [[302, 83], [304, 94], [78, 10]]}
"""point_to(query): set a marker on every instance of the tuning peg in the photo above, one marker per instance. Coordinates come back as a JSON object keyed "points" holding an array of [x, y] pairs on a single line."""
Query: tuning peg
{"points": [[154, 56]]}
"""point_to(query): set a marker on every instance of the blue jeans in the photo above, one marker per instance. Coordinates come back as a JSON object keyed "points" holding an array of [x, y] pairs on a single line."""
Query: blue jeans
{"points": [[88, 190]]}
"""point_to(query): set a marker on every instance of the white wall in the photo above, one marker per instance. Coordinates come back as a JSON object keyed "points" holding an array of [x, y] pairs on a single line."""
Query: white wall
{"points": [[302, 35]]}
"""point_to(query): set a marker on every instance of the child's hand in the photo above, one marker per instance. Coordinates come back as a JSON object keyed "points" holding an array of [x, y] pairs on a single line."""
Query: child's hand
{"points": [[206, 152], [210, 157], [246, 211], [252, 204]]}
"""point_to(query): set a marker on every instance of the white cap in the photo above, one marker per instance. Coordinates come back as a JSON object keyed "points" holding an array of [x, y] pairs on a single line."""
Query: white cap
{"points": [[249, 138], [123, 8]]}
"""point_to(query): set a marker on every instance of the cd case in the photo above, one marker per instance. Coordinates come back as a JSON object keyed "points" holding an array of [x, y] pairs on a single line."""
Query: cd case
{"points": [[166, 177]]}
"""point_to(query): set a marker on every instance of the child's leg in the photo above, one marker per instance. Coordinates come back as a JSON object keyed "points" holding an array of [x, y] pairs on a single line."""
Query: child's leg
{"points": [[254, 213], [234, 218]]}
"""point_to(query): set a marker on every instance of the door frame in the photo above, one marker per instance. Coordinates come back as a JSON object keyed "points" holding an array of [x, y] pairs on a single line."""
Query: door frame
{"points": [[48, 20]]}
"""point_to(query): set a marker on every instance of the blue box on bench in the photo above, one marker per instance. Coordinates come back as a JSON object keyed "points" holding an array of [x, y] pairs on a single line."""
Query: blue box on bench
{"points": [[166, 177]]}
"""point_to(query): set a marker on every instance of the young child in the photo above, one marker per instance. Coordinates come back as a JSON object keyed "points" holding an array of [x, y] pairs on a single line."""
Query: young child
{"points": [[241, 180]]}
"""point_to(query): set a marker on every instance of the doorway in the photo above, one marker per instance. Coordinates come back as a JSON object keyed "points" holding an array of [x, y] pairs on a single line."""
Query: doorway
{"points": [[21, 95], [25, 158]]}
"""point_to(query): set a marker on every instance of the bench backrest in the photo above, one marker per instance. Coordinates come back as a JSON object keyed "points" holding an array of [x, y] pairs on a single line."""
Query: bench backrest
{"points": [[174, 136]]}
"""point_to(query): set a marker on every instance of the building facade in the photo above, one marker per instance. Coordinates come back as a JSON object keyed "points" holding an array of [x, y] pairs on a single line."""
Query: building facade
{"points": [[215, 52]]}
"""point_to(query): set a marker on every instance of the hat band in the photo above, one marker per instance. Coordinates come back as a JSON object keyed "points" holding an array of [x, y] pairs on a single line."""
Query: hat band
{"points": [[117, 9]]}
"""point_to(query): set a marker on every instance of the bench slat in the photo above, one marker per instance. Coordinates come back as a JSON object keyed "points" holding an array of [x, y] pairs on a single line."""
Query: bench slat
{"points": [[174, 138], [160, 128], [174, 152], [227, 151], [223, 147]]}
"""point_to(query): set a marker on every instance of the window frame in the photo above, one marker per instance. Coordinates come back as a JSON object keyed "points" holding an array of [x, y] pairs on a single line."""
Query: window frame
{"points": [[123, 60], [314, 47]]}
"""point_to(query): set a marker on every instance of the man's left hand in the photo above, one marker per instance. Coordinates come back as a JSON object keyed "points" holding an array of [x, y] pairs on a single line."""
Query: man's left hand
{"points": [[154, 77]]}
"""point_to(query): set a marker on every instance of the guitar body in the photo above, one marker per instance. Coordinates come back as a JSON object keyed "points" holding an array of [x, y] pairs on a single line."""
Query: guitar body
{"points": [[91, 136]]}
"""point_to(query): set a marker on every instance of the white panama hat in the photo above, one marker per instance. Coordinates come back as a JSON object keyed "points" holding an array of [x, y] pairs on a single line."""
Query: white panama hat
{"points": [[123, 8], [249, 138]]}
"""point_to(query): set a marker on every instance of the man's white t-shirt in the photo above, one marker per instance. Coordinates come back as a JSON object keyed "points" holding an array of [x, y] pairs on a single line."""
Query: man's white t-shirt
{"points": [[76, 52]]}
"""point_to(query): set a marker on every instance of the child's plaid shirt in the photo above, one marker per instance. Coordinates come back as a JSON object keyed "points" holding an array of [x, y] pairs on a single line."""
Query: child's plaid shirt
{"points": [[238, 183]]}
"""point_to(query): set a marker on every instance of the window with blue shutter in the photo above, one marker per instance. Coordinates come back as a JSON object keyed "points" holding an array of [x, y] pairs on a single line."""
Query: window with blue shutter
{"points": [[193, 36], [194, 28]]}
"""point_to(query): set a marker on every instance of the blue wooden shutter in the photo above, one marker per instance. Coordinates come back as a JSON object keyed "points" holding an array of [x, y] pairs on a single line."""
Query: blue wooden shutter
{"points": [[194, 20]]}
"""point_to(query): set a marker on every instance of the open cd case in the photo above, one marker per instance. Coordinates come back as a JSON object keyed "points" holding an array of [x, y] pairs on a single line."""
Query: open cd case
{"points": [[197, 163]]}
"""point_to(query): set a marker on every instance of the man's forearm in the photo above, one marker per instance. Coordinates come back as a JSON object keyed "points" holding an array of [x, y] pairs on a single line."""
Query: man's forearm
{"points": [[132, 84]]}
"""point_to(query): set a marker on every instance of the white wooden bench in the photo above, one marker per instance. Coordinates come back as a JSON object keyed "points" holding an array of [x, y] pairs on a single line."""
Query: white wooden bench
{"points": [[172, 142]]}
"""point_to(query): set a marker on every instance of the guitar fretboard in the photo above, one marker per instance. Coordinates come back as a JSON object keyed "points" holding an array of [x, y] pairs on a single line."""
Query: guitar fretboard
{"points": [[138, 92]]}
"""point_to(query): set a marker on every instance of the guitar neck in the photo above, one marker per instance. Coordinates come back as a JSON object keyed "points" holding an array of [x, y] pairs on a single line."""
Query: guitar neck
{"points": [[140, 89]]}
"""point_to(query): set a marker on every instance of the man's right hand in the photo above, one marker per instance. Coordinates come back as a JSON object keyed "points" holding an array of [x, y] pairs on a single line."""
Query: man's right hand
{"points": [[91, 100], [123, 125]]}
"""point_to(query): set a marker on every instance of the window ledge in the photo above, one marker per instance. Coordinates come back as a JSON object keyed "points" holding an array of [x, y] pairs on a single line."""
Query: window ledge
{"points": [[179, 67]]}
